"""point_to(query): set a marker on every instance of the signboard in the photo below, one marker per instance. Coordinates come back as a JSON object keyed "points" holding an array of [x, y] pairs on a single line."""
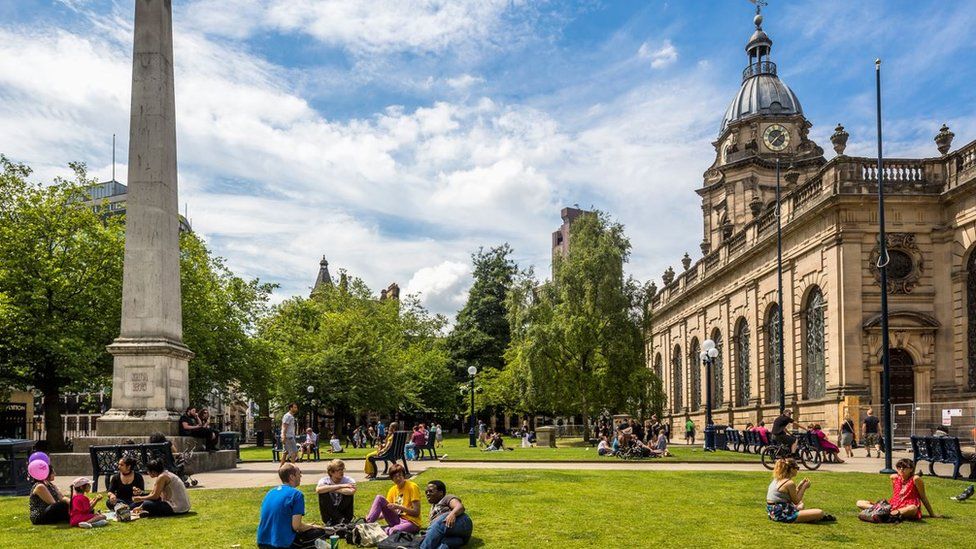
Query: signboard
{"points": [[949, 413]]}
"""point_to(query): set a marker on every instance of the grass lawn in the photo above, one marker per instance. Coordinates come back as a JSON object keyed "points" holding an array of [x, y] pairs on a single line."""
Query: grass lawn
{"points": [[456, 448], [564, 509]]}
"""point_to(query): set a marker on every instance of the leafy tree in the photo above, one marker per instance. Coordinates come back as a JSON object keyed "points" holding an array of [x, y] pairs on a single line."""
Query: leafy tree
{"points": [[481, 333], [60, 277], [578, 338]]}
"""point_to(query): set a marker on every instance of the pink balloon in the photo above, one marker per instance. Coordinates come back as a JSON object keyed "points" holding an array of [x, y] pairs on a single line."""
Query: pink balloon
{"points": [[38, 469], [39, 455]]}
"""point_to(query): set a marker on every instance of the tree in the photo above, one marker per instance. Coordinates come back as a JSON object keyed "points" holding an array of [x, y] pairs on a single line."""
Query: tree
{"points": [[481, 333], [579, 337], [60, 275]]}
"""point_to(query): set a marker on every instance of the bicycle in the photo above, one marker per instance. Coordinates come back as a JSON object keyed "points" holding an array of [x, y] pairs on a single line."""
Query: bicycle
{"points": [[807, 456]]}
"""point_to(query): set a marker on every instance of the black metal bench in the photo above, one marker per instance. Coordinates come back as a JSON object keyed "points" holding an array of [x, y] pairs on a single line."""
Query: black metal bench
{"points": [[753, 442], [395, 452], [941, 450], [733, 439], [276, 447], [429, 447], [105, 459]]}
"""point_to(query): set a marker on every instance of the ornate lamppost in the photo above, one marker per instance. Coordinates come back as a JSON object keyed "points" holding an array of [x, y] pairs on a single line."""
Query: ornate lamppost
{"points": [[472, 440], [708, 355]]}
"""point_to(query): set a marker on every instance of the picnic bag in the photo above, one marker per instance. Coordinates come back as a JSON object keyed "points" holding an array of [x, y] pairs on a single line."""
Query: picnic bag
{"points": [[880, 512], [401, 540], [367, 534]]}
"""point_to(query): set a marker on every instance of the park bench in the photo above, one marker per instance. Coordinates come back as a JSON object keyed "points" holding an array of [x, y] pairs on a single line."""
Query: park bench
{"points": [[276, 448], [105, 459], [812, 442], [733, 439], [753, 442], [940, 450], [429, 448], [395, 452]]}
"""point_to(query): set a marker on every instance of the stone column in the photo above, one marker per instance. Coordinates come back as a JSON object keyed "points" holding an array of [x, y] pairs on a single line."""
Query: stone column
{"points": [[150, 386]]}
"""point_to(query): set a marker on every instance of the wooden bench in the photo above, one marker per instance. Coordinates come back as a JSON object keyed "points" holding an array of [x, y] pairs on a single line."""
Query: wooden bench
{"points": [[105, 459], [941, 450], [395, 452]]}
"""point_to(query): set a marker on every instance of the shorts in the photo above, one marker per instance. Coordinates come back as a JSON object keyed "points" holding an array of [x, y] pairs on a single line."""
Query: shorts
{"points": [[782, 512], [291, 445], [871, 439], [846, 439], [689, 434], [785, 439]]}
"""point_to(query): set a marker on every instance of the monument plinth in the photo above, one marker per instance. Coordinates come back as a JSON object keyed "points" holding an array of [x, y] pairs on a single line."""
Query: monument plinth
{"points": [[150, 386]]}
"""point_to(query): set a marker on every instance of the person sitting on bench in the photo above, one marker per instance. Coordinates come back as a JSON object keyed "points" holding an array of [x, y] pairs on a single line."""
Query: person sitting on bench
{"points": [[336, 492], [370, 464], [308, 446], [450, 526]]}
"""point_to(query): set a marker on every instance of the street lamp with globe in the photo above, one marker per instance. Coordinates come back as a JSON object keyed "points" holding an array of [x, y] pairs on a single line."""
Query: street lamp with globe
{"points": [[313, 420], [708, 355], [472, 440]]}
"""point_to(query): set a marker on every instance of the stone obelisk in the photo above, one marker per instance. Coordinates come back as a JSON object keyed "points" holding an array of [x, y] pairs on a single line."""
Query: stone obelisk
{"points": [[150, 386]]}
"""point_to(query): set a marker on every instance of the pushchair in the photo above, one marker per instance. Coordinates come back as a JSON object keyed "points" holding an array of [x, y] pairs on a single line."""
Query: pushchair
{"points": [[180, 462]]}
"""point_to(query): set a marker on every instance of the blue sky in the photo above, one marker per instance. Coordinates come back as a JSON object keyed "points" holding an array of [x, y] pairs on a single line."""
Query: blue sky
{"points": [[396, 137]]}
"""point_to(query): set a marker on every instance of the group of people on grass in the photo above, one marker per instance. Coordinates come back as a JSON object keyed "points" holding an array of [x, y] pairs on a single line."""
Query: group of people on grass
{"points": [[283, 509], [630, 437], [126, 492], [784, 496]]}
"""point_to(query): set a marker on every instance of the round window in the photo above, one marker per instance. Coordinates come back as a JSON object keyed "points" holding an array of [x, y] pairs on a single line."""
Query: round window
{"points": [[901, 264]]}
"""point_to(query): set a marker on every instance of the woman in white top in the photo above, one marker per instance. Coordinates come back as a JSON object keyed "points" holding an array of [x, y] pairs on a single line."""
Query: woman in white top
{"points": [[168, 496], [603, 448]]}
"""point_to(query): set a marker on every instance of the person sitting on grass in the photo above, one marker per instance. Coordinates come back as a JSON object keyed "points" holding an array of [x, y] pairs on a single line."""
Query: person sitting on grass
{"points": [[450, 526], [125, 485], [309, 445], [47, 505], [83, 513], [603, 448], [660, 448], [907, 493], [370, 464], [496, 443], [784, 498], [831, 449], [401, 506], [336, 492], [168, 496], [282, 509], [335, 444]]}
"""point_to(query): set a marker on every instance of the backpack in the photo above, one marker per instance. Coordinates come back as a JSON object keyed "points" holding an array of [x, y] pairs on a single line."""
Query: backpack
{"points": [[880, 512], [400, 540], [367, 534]]}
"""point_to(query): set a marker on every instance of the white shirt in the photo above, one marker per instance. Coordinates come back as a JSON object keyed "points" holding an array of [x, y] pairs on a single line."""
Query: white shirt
{"points": [[336, 444], [288, 425], [327, 481]]}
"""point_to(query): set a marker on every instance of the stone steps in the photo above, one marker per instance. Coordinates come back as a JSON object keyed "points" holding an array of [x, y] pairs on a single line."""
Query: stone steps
{"points": [[79, 463]]}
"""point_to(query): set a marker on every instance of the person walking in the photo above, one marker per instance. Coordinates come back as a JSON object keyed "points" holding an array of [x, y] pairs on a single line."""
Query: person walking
{"points": [[690, 431], [847, 435], [870, 430], [289, 444]]}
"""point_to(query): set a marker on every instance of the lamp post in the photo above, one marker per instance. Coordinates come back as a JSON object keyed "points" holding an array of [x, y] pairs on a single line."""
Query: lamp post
{"points": [[883, 260], [779, 290], [472, 440], [311, 390], [708, 355]]}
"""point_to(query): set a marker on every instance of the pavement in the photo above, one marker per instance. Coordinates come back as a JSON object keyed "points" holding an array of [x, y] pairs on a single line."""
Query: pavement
{"points": [[258, 474]]}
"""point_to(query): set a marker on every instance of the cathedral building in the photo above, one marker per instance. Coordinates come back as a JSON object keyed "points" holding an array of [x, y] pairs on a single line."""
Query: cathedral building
{"points": [[831, 284]]}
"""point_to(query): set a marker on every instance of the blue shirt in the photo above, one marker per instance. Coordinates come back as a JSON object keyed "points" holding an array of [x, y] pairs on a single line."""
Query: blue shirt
{"points": [[381, 429], [279, 505]]}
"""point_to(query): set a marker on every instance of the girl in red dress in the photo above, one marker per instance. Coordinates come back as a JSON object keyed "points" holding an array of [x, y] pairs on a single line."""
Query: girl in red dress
{"points": [[907, 493]]}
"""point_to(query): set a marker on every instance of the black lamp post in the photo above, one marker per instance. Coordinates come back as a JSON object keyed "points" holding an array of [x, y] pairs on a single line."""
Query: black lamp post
{"points": [[708, 355], [472, 440], [779, 289], [883, 267], [311, 401]]}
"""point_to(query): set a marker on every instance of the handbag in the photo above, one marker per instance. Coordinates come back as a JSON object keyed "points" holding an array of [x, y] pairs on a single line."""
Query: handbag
{"points": [[401, 540], [368, 534], [880, 512]]}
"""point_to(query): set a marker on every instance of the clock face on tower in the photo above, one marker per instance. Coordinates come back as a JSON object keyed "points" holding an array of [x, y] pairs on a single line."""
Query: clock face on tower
{"points": [[776, 137]]}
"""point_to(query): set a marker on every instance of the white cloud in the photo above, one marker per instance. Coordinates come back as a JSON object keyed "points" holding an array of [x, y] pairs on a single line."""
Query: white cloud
{"points": [[444, 287], [661, 57]]}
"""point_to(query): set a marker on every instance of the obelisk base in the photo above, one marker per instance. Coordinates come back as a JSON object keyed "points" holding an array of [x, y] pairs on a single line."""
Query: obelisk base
{"points": [[150, 387]]}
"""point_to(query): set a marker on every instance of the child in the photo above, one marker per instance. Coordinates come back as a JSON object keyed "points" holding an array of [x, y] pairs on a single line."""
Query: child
{"points": [[82, 511], [907, 493]]}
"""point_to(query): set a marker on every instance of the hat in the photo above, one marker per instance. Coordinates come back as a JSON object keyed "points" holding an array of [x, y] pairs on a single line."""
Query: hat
{"points": [[80, 481]]}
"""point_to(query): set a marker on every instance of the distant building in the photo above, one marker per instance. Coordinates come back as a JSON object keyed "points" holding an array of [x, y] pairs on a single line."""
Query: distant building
{"points": [[108, 198], [324, 280], [560, 237]]}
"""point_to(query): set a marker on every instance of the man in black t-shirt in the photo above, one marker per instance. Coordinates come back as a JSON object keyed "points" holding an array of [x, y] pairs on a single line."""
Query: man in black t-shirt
{"points": [[871, 429], [780, 433]]}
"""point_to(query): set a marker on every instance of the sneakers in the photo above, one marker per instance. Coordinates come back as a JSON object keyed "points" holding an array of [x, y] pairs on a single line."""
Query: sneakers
{"points": [[966, 494], [828, 518], [84, 525], [442, 458]]}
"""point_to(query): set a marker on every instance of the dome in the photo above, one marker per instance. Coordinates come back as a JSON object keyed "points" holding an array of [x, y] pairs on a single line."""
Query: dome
{"points": [[761, 93]]}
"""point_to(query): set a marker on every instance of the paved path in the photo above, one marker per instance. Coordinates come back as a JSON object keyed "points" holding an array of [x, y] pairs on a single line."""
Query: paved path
{"points": [[257, 474]]}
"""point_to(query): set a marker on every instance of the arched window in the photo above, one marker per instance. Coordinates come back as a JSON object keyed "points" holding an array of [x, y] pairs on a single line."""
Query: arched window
{"points": [[772, 355], [695, 365], [659, 367], [971, 290], [718, 377], [814, 363], [742, 363], [676, 380]]}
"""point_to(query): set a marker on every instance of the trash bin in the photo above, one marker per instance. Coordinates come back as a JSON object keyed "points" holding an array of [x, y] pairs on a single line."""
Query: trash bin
{"points": [[259, 435], [229, 440], [721, 439], [13, 466]]}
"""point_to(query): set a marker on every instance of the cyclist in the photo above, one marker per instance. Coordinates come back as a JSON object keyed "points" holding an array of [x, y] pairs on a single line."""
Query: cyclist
{"points": [[780, 433]]}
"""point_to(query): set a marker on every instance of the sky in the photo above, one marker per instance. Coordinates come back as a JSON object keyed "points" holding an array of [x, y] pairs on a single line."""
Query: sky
{"points": [[397, 137]]}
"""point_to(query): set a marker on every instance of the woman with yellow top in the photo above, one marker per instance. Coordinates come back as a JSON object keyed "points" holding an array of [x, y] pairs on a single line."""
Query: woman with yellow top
{"points": [[370, 464], [401, 506]]}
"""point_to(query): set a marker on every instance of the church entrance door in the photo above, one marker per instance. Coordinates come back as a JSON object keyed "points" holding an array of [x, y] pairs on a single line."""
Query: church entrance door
{"points": [[902, 377]]}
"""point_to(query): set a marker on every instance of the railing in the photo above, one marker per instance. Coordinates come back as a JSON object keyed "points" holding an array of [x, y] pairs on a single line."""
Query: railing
{"points": [[907, 171], [761, 67], [736, 242], [72, 425], [807, 191], [966, 158], [767, 219]]}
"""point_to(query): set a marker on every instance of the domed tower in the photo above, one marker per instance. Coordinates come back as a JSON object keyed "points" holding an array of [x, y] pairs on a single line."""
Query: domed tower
{"points": [[763, 123]]}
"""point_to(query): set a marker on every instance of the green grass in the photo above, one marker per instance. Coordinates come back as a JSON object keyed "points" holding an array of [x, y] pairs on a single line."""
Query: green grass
{"points": [[456, 448], [565, 509]]}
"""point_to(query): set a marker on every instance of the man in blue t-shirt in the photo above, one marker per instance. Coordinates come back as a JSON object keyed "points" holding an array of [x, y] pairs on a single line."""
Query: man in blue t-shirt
{"points": [[281, 525], [381, 430]]}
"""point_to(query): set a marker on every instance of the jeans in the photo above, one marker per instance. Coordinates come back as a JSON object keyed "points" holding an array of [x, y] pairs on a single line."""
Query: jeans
{"points": [[333, 514], [439, 536], [393, 519], [157, 508]]}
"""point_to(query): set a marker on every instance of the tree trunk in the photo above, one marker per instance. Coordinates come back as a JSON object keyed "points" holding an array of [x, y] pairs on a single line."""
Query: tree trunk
{"points": [[586, 422], [52, 420]]}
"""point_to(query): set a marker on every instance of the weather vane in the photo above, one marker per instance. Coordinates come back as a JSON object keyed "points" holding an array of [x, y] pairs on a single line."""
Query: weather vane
{"points": [[760, 4]]}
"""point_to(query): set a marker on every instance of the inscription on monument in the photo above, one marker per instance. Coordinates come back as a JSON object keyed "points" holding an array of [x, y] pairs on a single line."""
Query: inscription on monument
{"points": [[139, 382]]}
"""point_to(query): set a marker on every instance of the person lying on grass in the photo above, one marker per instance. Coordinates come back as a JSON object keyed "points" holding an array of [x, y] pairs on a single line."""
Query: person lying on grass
{"points": [[282, 510], [784, 498], [401, 506], [907, 493], [450, 526]]}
